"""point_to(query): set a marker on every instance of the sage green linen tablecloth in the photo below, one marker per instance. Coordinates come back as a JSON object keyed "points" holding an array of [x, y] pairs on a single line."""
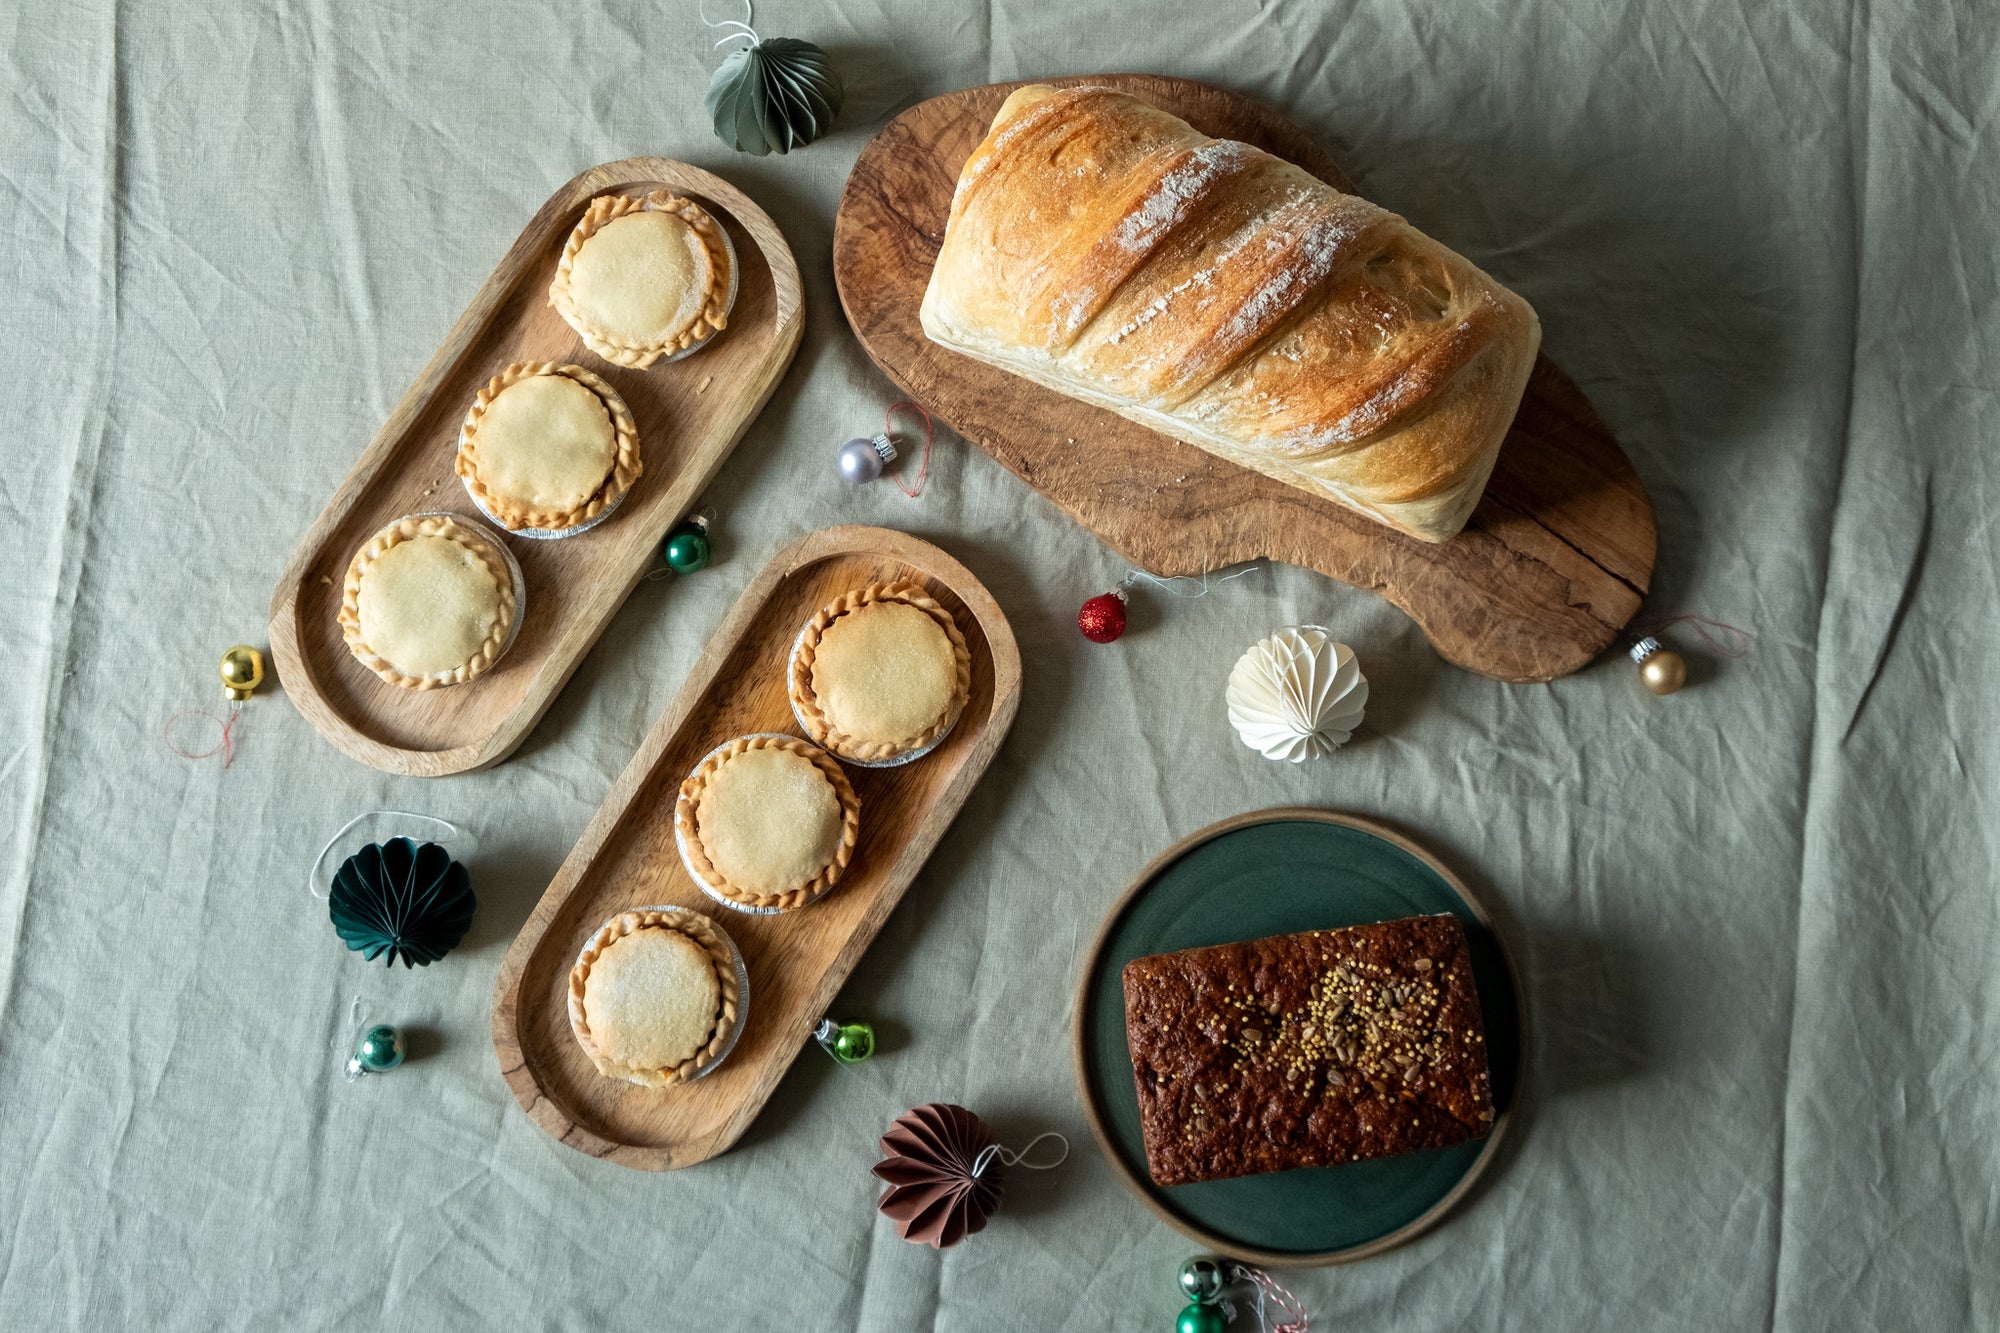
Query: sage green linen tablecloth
{"points": [[1756, 922]]}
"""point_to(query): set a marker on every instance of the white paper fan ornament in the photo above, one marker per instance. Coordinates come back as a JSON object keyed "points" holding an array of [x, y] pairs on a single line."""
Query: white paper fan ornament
{"points": [[1297, 695]]}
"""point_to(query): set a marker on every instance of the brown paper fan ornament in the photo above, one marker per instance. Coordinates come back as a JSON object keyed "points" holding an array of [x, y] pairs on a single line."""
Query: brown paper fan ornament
{"points": [[943, 1165], [935, 1197]]}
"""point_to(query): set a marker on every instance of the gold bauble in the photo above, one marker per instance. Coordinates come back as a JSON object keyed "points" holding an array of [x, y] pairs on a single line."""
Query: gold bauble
{"points": [[242, 671], [1663, 671]]}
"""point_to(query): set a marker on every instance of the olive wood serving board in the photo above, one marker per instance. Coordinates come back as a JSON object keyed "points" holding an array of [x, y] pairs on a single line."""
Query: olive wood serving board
{"points": [[690, 414], [797, 960], [1553, 563]]}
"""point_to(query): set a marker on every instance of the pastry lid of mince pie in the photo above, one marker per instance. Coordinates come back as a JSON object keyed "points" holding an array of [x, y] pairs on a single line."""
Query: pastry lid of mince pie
{"points": [[880, 674], [767, 823], [546, 449], [658, 996], [644, 277], [431, 600]]}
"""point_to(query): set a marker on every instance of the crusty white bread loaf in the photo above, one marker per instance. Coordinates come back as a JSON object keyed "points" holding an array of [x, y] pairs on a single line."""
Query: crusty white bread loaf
{"points": [[1225, 297]]}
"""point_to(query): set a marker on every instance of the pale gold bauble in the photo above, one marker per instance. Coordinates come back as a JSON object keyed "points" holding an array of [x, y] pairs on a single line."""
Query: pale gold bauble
{"points": [[1663, 672], [1660, 668]]}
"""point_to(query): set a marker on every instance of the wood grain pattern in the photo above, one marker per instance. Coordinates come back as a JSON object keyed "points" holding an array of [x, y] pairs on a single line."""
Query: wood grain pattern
{"points": [[797, 960], [1082, 1004], [1555, 561], [690, 414]]}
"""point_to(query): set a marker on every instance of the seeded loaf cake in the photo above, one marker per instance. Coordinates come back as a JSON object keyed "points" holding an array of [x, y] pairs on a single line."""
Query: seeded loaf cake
{"points": [[1314, 1049]]}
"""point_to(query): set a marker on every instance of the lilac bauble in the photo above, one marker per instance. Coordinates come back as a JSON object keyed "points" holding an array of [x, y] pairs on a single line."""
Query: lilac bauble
{"points": [[861, 461]]}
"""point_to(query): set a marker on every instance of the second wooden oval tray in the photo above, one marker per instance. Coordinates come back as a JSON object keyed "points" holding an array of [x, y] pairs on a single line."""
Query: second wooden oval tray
{"points": [[797, 960], [690, 414], [1552, 565]]}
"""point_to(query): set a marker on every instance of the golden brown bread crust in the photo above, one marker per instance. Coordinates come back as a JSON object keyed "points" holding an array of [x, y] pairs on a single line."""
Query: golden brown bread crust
{"points": [[1225, 297]]}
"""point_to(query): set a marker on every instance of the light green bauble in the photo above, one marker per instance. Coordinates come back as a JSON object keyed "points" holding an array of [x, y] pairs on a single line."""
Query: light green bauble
{"points": [[849, 1043], [853, 1043]]}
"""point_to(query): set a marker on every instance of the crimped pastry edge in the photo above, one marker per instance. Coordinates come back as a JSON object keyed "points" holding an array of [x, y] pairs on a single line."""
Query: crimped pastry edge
{"points": [[695, 856], [806, 704], [697, 927], [626, 465], [713, 316], [411, 526]]}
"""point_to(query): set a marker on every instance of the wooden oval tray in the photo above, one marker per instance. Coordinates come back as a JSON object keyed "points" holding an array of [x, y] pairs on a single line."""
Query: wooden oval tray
{"points": [[1274, 872], [1554, 562], [690, 414], [797, 960]]}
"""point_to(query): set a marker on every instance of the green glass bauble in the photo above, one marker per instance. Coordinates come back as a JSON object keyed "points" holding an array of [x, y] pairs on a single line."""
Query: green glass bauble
{"points": [[849, 1043], [379, 1050], [854, 1043], [1202, 1278], [1199, 1318], [687, 549]]}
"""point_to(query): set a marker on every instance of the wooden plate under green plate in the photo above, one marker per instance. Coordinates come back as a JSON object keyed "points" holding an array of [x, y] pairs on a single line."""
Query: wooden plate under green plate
{"points": [[1273, 872]]}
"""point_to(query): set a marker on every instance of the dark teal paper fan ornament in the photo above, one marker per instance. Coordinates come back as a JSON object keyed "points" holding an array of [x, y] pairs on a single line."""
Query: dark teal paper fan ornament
{"points": [[771, 96], [401, 899]]}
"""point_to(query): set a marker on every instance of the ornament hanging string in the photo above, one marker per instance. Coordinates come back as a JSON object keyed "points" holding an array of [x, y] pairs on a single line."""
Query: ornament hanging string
{"points": [[225, 744], [740, 31], [1174, 586], [1290, 1308], [350, 1066], [1719, 637], [1010, 1158], [312, 874], [930, 437]]}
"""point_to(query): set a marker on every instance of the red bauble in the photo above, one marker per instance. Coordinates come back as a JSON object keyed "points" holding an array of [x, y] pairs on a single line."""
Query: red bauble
{"points": [[1102, 618]]}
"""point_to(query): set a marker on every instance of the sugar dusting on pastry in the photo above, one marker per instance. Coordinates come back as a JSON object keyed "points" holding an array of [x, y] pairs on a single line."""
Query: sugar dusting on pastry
{"points": [[652, 999], [769, 820]]}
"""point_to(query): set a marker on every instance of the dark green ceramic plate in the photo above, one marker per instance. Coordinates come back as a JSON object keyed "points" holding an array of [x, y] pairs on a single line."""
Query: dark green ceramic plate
{"points": [[1272, 873]]}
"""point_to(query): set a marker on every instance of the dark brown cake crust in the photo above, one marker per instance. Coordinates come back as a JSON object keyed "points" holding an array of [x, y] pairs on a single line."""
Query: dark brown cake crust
{"points": [[1307, 1050]]}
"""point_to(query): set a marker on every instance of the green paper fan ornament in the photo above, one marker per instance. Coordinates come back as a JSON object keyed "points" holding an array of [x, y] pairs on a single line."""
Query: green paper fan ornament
{"points": [[771, 96], [403, 900]]}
